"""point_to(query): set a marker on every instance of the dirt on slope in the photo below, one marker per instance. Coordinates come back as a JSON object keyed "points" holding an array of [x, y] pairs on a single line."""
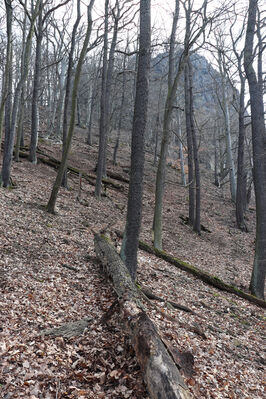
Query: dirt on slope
{"points": [[49, 277]]}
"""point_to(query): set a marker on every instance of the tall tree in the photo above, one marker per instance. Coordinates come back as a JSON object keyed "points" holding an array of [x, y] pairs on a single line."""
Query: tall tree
{"points": [[226, 111], [10, 133], [161, 170], [103, 121], [37, 75], [6, 89], [59, 177], [134, 206], [259, 150], [241, 189], [68, 87]]}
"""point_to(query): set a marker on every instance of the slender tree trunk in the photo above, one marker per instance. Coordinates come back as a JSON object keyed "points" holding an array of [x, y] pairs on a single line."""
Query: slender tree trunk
{"points": [[181, 152], [156, 134], [92, 106], [20, 129], [161, 170], [36, 86], [121, 113], [10, 135], [103, 121], [60, 102], [78, 113], [107, 116], [134, 207], [93, 102], [59, 177], [68, 88], [216, 156], [191, 207], [259, 157], [225, 107], [241, 175], [6, 86], [196, 225]]}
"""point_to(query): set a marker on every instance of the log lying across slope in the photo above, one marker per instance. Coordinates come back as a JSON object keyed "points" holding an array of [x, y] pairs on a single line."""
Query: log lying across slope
{"points": [[204, 276], [54, 163], [160, 373]]}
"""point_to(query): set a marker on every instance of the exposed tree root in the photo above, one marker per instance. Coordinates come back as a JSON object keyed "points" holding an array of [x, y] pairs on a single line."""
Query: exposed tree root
{"points": [[149, 294], [185, 220]]}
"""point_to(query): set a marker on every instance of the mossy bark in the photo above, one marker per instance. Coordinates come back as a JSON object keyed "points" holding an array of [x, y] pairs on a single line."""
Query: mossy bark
{"points": [[162, 377]]}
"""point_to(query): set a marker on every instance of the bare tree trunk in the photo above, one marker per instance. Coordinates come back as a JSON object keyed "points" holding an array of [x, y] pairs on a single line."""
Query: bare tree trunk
{"points": [[68, 87], [134, 207], [156, 135], [196, 223], [259, 157], [216, 156], [60, 102], [36, 86], [161, 170], [121, 110], [59, 177], [157, 126], [7, 81], [225, 108], [10, 135], [191, 207], [241, 175], [20, 129], [103, 121], [181, 152]]}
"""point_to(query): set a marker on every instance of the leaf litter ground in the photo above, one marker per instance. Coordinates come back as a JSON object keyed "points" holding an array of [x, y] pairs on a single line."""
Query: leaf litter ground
{"points": [[49, 277]]}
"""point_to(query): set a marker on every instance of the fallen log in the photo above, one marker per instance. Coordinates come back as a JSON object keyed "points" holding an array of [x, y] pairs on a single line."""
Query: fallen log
{"points": [[68, 330], [160, 373], [117, 176], [204, 276], [51, 161]]}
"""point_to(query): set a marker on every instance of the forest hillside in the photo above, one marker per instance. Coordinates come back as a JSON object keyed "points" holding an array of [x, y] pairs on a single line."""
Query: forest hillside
{"points": [[50, 276]]}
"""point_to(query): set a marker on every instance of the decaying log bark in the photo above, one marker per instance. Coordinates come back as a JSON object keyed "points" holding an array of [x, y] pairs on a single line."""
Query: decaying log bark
{"points": [[51, 161], [117, 176], [68, 330], [204, 276], [160, 373]]}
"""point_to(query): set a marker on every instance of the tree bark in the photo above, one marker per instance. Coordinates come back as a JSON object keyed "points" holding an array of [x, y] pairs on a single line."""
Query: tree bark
{"points": [[36, 86], [68, 87], [241, 192], [225, 108], [259, 158], [134, 206], [196, 224], [191, 183], [181, 152], [117, 142], [161, 170], [61, 170], [200, 274], [6, 81], [161, 375], [103, 121], [10, 135]]}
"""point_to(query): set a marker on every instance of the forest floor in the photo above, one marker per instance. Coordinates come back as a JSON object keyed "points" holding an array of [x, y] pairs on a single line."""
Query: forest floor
{"points": [[49, 276]]}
